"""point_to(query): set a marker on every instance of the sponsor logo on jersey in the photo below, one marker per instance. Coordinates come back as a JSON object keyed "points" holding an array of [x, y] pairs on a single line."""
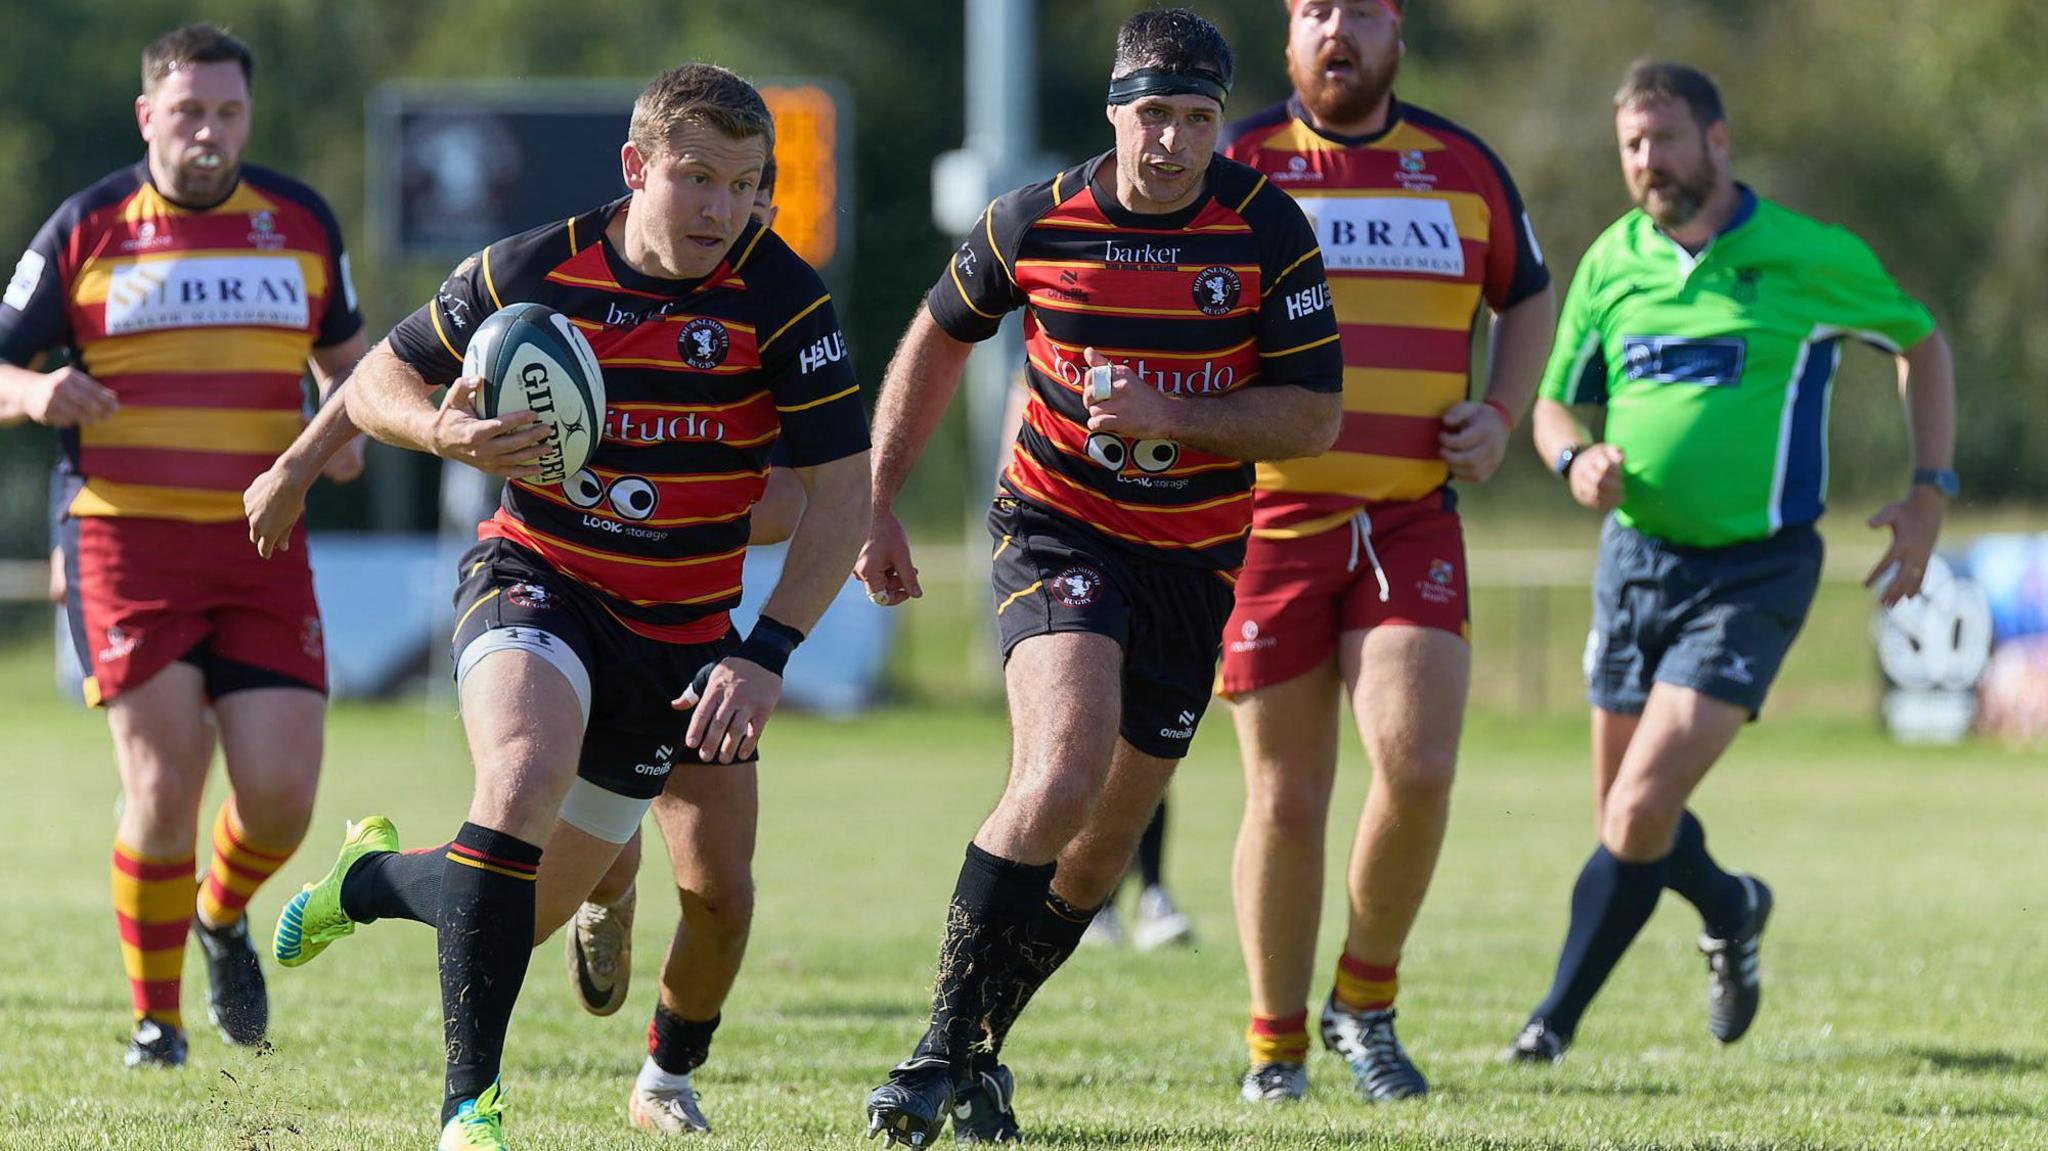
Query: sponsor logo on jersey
{"points": [[824, 350], [703, 343], [207, 292], [28, 272], [629, 497], [965, 261], [1216, 290], [1146, 456], [1077, 586], [1386, 234], [147, 235], [1308, 301], [1147, 255], [1181, 379], [1713, 362], [1298, 169], [630, 427]]}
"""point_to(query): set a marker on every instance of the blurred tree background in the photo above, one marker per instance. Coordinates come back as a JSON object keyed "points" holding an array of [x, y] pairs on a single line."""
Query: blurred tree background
{"points": [[1920, 124]]}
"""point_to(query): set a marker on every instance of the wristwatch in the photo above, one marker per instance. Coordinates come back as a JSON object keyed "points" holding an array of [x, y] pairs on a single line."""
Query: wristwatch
{"points": [[1940, 479], [1563, 466]]}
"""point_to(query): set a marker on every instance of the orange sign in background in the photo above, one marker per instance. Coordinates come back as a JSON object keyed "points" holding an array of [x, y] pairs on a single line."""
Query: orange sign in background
{"points": [[807, 169]]}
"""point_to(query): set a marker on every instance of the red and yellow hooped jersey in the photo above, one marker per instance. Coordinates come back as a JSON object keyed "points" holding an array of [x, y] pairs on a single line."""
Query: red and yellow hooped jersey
{"points": [[1418, 225], [199, 320]]}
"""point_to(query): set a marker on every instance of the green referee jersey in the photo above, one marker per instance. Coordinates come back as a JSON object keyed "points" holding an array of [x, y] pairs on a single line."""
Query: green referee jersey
{"points": [[1716, 370]]}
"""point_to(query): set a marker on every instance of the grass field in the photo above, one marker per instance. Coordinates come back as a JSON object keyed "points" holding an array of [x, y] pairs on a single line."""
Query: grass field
{"points": [[1906, 995]]}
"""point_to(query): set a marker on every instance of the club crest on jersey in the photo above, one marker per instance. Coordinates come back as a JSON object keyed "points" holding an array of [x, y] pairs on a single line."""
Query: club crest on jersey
{"points": [[1216, 290], [1076, 586], [263, 231], [703, 343]]}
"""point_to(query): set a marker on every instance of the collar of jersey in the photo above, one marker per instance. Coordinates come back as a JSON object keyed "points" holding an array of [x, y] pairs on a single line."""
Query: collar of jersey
{"points": [[1299, 111], [1123, 217], [630, 277], [142, 173], [1745, 211]]}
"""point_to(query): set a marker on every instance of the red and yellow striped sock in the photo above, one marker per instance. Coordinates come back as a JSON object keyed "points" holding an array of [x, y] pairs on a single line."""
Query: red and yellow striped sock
{"points": [[1281, 1039], [237, 869], [1363, 986], [153, 906]]}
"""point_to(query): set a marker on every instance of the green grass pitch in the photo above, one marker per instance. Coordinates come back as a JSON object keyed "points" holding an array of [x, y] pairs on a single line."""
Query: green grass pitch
{"points": [[1906, 994]]}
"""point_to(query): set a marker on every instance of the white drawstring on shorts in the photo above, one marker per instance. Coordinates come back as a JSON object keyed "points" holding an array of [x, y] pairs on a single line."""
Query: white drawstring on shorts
{"points": [[1361, 540]]}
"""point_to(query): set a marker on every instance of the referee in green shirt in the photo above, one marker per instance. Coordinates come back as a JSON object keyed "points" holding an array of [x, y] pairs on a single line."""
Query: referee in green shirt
{"points": [[1705, 328]]}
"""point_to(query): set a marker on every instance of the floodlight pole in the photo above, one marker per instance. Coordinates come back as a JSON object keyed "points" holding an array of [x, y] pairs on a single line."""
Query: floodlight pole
{"points": [[1000, 153]]}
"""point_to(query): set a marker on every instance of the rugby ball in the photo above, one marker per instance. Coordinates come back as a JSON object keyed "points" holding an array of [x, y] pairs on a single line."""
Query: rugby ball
{"points": [[531, 358]]}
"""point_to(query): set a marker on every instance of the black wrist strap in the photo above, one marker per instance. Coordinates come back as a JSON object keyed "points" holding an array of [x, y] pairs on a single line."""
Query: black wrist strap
{"points": [[770, 644]]}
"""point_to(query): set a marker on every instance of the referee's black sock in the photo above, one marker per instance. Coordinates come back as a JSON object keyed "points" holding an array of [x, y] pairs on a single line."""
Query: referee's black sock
{"points": [[395, 885], [1050, 938], [993, 902], [486, 936], [1611, 902], [1720, 897]]}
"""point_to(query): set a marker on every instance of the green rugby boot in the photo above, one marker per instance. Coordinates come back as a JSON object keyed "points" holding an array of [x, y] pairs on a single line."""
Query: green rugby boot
{"points": [[313, 919]]}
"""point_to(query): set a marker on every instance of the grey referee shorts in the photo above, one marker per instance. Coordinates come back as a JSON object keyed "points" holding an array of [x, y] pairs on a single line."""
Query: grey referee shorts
{"points": [[1717, 620]]}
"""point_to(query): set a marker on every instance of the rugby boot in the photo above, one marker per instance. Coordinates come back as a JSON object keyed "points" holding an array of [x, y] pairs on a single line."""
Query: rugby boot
{"points": [[237, 1001], [912, 1105], [1380, 1066], [1159, 923], [1537, 1043], [982, 1111], [668, 1109], [600, 954], [313, 918], [479, 1124], [1734, 974], [155, 1045], [1276, 1082]]}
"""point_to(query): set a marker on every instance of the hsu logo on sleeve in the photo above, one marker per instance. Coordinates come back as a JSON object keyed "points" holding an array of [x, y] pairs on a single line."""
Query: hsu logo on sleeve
{"points": [[1412, 234], [1714, 362]]}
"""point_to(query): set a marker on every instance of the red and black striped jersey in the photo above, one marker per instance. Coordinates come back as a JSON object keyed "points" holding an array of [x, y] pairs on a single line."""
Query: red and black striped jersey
{"points": [[199, 319], [702, 379], [1419, 223], [1226, 293]]}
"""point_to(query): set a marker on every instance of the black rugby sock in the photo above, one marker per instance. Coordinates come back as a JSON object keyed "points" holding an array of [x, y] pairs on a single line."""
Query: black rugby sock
{"points": [[1722, 901], [1050, 938], [486, 937], [678, 1045], [993, 902], [1611, 902], [1152, 849], [395, 885]]}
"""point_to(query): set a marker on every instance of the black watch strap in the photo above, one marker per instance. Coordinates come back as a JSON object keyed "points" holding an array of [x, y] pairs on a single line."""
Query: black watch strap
{"points": [[1563, 466]]}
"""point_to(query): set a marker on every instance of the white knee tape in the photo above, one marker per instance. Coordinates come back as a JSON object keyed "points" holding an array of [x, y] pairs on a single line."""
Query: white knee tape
{"points": [[535, 642], [603, 814]]}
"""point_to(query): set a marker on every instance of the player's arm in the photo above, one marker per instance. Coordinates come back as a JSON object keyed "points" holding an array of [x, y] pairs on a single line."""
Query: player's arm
{"points": [[390, 395], [965, 306], [825, 436], [33, 320], [779, 510]]}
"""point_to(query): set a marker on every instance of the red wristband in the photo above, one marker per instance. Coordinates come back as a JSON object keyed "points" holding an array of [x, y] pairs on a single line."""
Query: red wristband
{"points": [[1507, 417]]}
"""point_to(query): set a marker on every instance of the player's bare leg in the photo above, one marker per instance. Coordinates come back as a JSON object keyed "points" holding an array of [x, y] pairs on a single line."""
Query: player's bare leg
{"points": [[162, 745], [1407, 687], [708, 817], [598, 947], [1287, 737], [1065, 693], [271, 738]]}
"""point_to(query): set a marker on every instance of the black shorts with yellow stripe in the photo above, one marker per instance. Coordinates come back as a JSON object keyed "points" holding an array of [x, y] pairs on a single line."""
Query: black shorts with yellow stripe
{"points": [[510, 599], [1052, 574]]}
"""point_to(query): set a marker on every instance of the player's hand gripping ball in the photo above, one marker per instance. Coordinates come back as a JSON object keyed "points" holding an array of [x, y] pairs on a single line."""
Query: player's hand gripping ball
{"points": [[531, 358]]}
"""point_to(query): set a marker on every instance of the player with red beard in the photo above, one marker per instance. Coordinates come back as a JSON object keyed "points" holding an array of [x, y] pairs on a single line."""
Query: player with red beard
{"points": [[1354, 579]]}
